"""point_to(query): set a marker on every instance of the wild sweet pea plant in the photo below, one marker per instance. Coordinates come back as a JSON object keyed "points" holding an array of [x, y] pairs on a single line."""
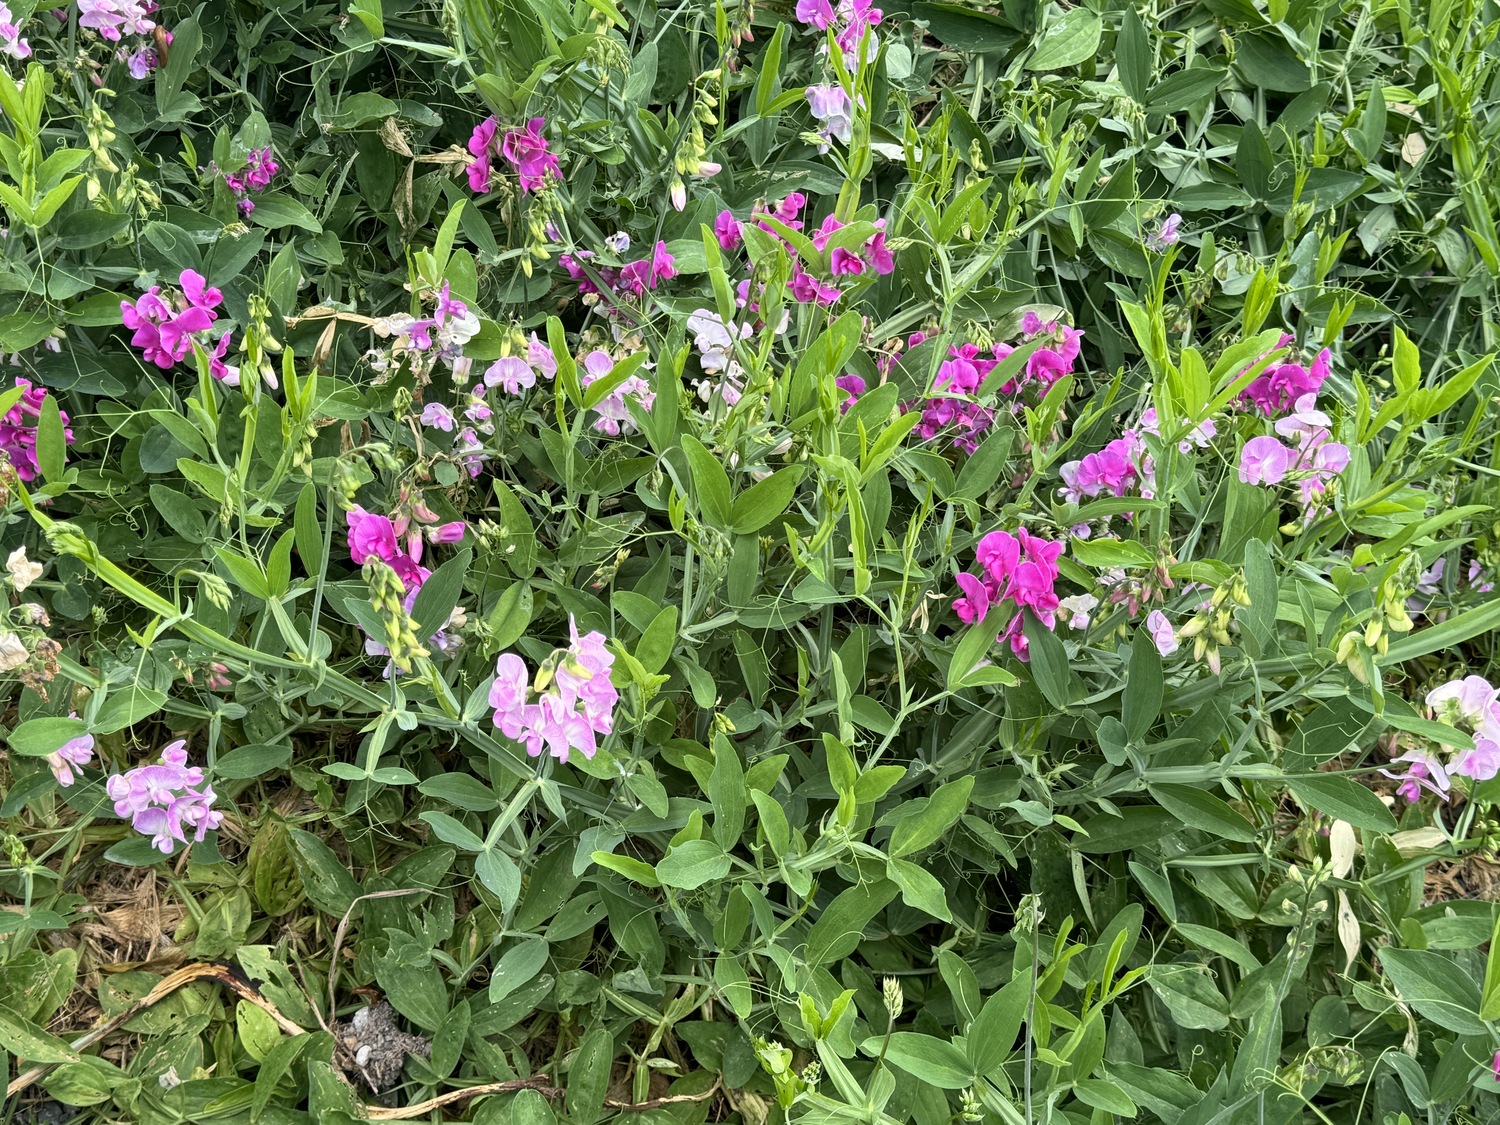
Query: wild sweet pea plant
{"points": [[762, 563]]}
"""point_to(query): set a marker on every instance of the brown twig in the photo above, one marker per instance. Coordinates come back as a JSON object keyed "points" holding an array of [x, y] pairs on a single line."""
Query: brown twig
{"points": [[403, 1113], [188, 974], [657, 1103]]}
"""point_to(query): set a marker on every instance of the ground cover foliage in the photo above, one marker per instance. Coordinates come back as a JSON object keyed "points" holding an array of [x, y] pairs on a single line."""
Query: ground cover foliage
{"points": [[749, 563]]}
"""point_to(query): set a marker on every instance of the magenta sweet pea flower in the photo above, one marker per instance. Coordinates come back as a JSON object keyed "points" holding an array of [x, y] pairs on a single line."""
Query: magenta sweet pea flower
{"points": [[1470, 700], [11, 42], [512, 373], [815, 13], [845, 262], [1166, 234], [18, 429], [481, 146], [371, 537], [727, 231], [527, 152]]}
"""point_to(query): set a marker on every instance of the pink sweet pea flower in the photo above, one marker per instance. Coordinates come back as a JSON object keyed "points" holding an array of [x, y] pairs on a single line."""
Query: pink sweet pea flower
{"points": [[1265, 460], [1471, 699], [1162, 634], [512, 373], [1425, 771]]}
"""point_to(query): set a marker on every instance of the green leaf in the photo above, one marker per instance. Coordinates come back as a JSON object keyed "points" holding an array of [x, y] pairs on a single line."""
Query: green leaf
{"points": [[1434, 985], [440, 593], [463, 790], [36, 738], [710, 482], [1067, 42], [726, 790], [1190, 996], [25, 1040], [452, 831], [588, 1077], [500, 876], [765, 501], [517, 965], [252, 761], [1141, 703], [691, 864], [773, 822], [836, 933], [1103, 554], [1342, 798], [51, 444], [1099, 1094], [326, 878], [926, 1058], [309, 530], [1332, 727], [1049, 663], [993, 1032], [924, 821], [628, 866], [1198, 808], [277, 1063], [920, 889], [274, 210], [127, 706]]}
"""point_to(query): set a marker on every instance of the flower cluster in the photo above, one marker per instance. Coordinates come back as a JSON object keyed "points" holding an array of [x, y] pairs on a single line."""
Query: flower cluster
{"points": [[570, 702], [71, 756], [1124, 466], [715, 342], [164, 331], [18, 429], [1471, 704], [614, 417], [524, 149], [396, 546], [954, 412], [259, 170], [1283, 384], [869, 256], [11, 42], [428, 340], [850, 20], [1020, 569], [115, 19], [633, 279], [1315, 459], [166, 801]]}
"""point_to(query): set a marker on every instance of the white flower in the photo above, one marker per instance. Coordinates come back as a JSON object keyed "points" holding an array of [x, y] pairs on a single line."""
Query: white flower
{"points": [[1078, 607], [12, 652], [23, 572]]}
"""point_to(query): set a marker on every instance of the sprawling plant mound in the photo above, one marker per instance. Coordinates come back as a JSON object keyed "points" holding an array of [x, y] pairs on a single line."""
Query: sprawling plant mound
{"points": [[813, 563]]}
